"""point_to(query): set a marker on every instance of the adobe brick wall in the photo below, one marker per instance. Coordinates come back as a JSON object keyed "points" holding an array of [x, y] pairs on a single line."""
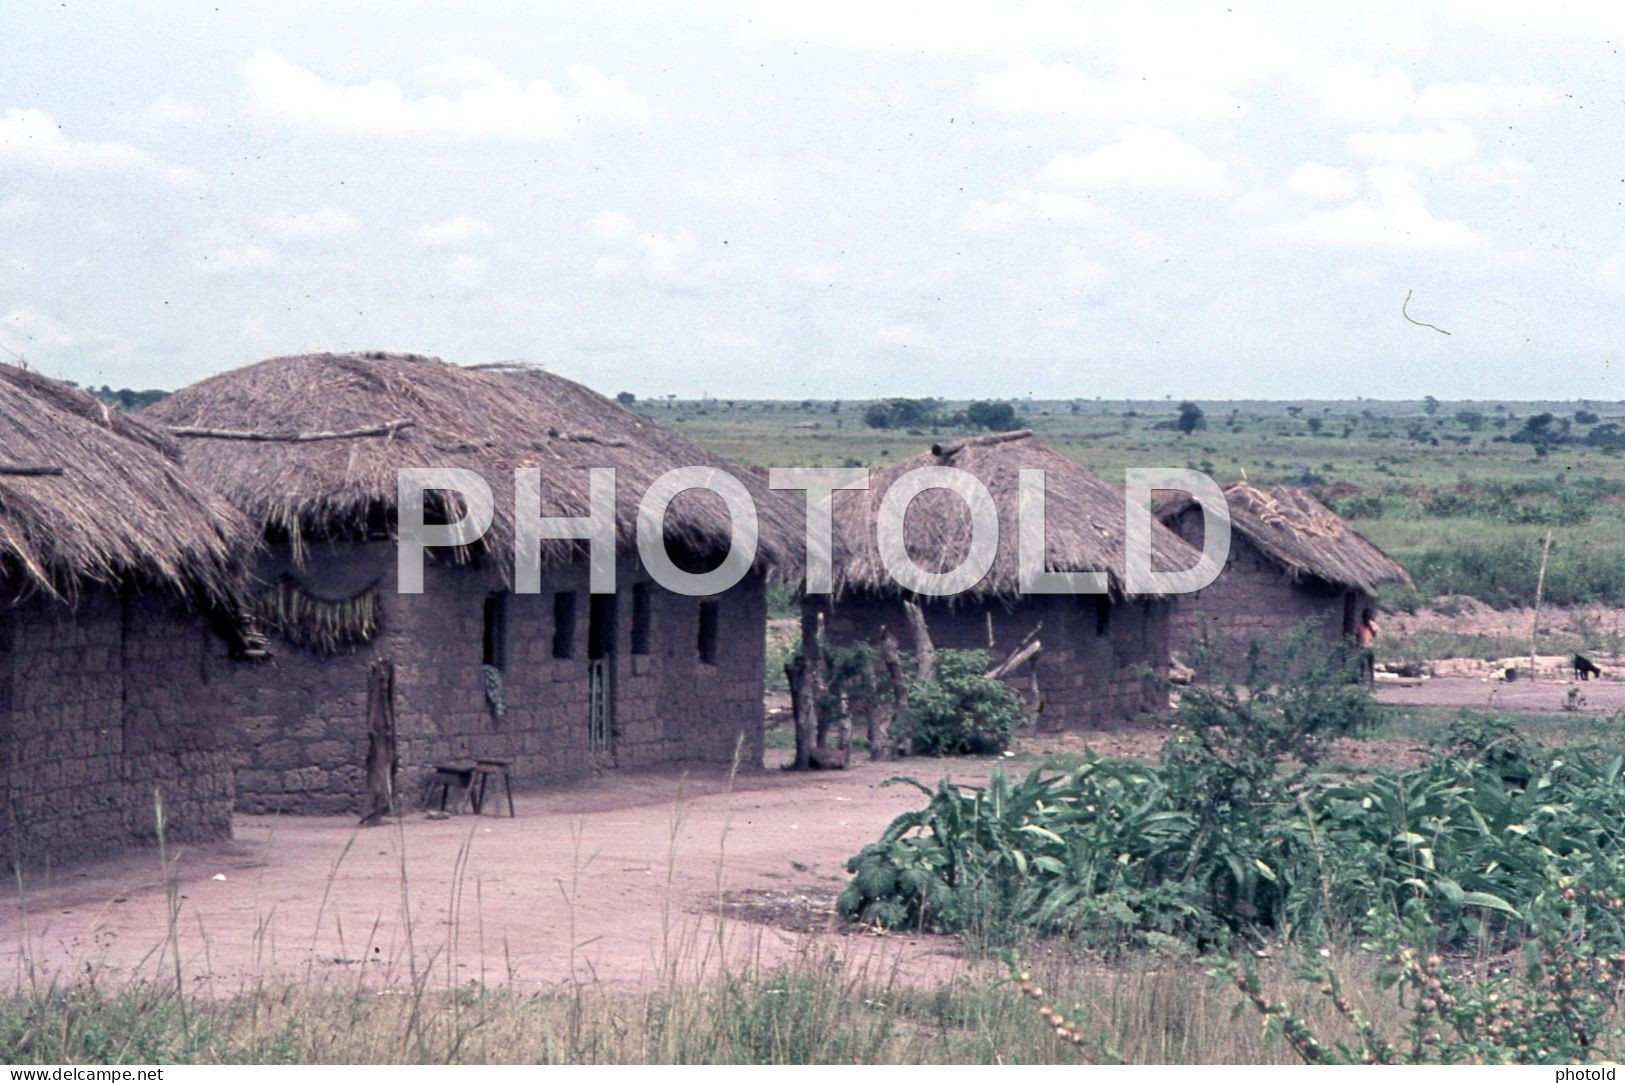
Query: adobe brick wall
{"points": [[1252, 600], [303, 734], [102, 705], [1086, 680]]}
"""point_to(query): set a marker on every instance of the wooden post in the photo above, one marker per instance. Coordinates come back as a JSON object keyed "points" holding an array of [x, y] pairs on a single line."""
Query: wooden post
{"points": [[925, 652], [1540, 588], [805, 678], [880, 720], [382, 761]]}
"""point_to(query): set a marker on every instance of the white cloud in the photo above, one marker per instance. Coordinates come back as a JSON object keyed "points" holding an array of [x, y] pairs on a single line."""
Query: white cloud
{"points": [[170, 112], [1143, 158], [31, 137], [1361, 94], [1027, 205], [455, 230], [609, 266], [903, 336], [611, 225], [1313, 180], [27, 328], [1392, 216], [1080, 269], [493, 107], [752, 185], [314, 225], [1030, 86], [242, 257], [1611, 274], [467, 272], [1442, 148], [664, 254]]}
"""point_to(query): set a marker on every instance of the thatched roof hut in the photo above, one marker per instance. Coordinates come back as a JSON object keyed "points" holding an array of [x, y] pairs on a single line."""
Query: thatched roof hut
{"points": [[90, 495], [1085, 528], [1305, 537], [310, 446]]}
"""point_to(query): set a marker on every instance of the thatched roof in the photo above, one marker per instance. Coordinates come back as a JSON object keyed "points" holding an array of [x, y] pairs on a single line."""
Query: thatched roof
{"points": [[87, 494], [424, 412], [1305, 537], [1084, 520]]}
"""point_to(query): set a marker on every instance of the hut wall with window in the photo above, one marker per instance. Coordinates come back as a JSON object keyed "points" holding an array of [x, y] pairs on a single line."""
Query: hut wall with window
{"points": [[1097, 649], [1292, 560], [109, 698], [562, 682]]}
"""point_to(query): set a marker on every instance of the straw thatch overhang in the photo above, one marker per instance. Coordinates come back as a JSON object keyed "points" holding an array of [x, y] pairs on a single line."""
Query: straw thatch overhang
{"points": [[310, 447], [91, 495], [1303, 536], [1084, 521]]}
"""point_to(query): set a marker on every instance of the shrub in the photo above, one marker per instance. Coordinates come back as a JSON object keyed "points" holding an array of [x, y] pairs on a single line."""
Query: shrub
{"points": [[962, 711]]}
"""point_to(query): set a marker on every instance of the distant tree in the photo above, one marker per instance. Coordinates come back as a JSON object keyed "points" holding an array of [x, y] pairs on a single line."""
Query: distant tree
{"points": [[993, 416], [625, 398], [128, 400], [1190, 418], [1585, 417], [1294, 411], [901, 414], [1314, 425], [1471, 420], [835, 407], [1430, 405]]}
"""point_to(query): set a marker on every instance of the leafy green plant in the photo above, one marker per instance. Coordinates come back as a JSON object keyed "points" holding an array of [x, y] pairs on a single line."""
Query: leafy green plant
{"points": [[962, 711]]}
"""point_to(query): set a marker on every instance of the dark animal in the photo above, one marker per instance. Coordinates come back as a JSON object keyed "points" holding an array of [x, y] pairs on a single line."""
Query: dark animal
{"points": [[1585, 668], [1511, 673]]}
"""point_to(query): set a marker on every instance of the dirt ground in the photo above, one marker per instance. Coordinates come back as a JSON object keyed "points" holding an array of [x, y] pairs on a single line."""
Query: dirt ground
{"points": [[619, 880], [613, 881]]}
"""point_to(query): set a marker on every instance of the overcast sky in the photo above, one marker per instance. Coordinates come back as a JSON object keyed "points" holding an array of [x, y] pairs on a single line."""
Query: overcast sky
{"points": [[842, 199]]}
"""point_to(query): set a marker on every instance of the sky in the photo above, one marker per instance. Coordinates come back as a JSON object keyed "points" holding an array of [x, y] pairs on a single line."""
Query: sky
{"points": [[847, 199]]}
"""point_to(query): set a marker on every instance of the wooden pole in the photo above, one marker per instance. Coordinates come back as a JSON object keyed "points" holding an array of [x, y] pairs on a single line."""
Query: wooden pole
{"points": [[388, 428], [1540, 588], [925, 652], [382, 760], [880, 720]]}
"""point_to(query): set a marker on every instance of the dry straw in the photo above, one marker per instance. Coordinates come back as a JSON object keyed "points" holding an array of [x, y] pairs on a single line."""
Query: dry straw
{"points": [[88, 494], [1305, 537], [423, 412], [1083, 516]]}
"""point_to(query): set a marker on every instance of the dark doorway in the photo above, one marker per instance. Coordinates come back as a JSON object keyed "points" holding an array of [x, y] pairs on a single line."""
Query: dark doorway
{"points": [[600, 670]]}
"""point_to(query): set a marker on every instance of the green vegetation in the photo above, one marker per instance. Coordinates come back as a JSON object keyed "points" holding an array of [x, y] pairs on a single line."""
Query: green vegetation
{"points": [[960, 712], [1452, 495]]}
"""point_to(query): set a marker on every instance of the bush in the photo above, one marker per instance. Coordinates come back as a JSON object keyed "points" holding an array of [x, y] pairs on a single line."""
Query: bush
{"points": [[961, 712]]}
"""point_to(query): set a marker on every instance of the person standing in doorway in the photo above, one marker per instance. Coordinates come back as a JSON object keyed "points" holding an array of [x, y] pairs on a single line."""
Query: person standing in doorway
{"points": [[1366, 636]]}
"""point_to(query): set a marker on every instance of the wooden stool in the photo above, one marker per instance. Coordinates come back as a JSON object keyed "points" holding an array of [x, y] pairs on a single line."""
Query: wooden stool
{"points": [[482, 772], [447, 775]]}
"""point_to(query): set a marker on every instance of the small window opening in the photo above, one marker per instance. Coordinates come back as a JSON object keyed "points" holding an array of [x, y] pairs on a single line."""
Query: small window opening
{"points": [[708, 632], [600, 626], [1103, 614], [641, 618], [495, 649], [564, 624]]}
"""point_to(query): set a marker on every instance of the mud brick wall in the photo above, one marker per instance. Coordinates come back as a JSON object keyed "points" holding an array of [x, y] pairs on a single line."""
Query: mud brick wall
{"points": [[303, 736], [1087, 672], [102, 705], [1253, 600]]}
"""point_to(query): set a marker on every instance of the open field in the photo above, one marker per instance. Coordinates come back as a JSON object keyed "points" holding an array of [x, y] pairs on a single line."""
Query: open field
{"points": [[1450, 494]]}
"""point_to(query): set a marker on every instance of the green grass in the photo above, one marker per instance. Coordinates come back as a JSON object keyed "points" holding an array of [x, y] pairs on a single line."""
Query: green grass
{"points": [[1464, 516]]}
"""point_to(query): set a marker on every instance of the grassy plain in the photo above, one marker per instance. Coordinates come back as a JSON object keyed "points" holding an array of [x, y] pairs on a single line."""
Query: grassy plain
{"points": [[1449, 494]]}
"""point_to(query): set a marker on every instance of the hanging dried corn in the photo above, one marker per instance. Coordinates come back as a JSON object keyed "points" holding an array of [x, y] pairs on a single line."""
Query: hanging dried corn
{"points": [[322, 625]]}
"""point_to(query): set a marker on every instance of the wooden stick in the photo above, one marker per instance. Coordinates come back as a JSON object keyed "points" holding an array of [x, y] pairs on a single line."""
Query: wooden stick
{"points": [[925, 652], [1540, 587], [880, 721], [389, 428], [1012, 663], [27, 471], [942, 451]]}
